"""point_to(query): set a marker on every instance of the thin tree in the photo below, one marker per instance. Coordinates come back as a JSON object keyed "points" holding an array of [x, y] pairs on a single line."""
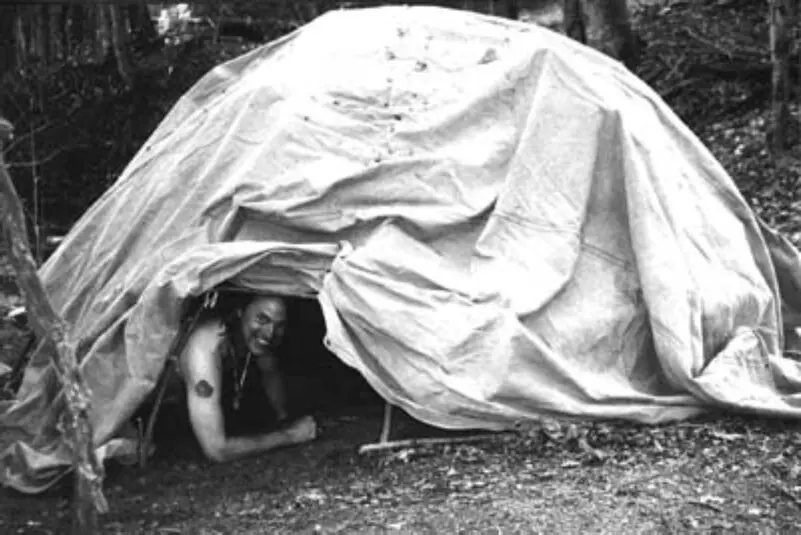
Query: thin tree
{"points": [[119, 43], [43, 33], [8, 46], [47, 324], [782, 13], [102, 33]]}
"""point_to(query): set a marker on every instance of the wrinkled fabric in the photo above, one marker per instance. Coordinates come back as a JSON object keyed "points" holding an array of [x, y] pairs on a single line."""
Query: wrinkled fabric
{"points": [[499, 223]]}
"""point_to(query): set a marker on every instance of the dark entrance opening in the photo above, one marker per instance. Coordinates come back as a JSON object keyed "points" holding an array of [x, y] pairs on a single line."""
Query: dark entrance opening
{"points": [[316, 381]]}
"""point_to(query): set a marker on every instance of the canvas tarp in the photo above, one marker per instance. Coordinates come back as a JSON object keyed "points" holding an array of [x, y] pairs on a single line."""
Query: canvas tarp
{"points": [[499, 224]]}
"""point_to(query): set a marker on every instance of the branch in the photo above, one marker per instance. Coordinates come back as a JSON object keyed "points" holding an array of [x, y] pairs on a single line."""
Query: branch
{"points": [[35, 163], [417, 442], [711, 44], [8, 148], [752, 71], [46, 323]]}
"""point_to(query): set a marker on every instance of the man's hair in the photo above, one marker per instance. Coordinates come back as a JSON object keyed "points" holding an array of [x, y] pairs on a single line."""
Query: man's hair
{"points": [[227, 306], [230, 306]]}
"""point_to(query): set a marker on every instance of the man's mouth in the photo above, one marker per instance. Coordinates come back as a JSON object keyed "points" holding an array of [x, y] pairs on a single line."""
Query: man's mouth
{"points": [[262, 343]]}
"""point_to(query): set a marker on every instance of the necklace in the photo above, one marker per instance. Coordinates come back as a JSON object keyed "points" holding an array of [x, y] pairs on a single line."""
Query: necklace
{"points": [[239, 382]]}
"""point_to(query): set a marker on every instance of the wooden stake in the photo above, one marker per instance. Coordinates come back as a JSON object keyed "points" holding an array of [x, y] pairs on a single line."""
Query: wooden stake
{"points": [[417, 442], [89, 498], [177, 347], [386, 428]]}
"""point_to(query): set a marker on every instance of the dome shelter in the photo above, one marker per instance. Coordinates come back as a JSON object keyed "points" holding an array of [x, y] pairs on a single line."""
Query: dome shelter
{"points": [[498, 223]]}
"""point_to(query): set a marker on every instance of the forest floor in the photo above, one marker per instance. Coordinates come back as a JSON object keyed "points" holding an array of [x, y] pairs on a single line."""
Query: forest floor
{"points": [[719, 474], [722, 474]]}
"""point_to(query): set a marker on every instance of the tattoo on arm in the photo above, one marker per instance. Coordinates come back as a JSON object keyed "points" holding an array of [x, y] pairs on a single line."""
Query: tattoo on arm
{"points": [[203, 389]]}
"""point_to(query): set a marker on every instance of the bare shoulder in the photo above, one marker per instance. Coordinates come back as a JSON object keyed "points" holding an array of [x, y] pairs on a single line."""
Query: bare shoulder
{"points": [[207, 331], [202, 345]]}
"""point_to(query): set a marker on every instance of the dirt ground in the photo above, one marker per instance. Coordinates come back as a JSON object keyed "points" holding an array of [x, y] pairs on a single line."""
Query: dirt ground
{"points": [[719, 475]]}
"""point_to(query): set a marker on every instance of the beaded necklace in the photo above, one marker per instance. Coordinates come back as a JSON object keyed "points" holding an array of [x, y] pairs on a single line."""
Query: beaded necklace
{"points": [[229, 353]]}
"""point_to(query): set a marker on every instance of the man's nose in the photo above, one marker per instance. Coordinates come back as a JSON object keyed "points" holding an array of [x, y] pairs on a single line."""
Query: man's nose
{"points": [[267, 331]]}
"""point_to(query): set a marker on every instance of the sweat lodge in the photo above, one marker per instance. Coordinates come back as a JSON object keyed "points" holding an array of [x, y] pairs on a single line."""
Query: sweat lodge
{"points": [[498, 223]]}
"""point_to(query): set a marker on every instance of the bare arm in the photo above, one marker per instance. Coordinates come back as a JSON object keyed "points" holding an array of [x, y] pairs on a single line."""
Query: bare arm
{"points": [[273, 384], [201, 369]]}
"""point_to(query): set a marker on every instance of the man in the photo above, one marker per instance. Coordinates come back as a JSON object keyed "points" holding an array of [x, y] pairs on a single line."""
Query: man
{"points": [[216, 347]]}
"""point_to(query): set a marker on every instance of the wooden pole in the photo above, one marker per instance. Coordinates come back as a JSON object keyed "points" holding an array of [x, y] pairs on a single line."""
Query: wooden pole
{"points": [[421, 442], [88, 498], [386, 428]]}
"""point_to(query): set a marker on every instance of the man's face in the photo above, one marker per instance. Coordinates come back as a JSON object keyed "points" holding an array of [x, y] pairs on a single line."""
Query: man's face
{"points": [[263, 324]]}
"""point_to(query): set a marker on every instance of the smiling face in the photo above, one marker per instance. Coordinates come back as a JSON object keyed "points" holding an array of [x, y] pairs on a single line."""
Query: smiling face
{"points": [[263, 324]]}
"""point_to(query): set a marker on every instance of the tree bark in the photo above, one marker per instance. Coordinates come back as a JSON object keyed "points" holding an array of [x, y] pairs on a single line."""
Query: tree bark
{"points": [[20, 39], [102, 34], [65, 26], [604, 25], [119, 39], [56, 49], [575, 25], [46, 323], [43, 33], [8, 46], [513, 9], [141, 25], [79, 27], [780, 12]]}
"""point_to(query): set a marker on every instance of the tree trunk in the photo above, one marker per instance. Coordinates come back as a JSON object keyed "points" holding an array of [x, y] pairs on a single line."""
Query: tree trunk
{"points": [[43, 34], [102, 38], [79, 27], [780, 43], [119, 39], [8, 47], [606, 27], [21, 35], [20, 39], [65, 27], [31, 32], [142, 27], [54, 29], [89, 499], [575, 24], [513, 9]]}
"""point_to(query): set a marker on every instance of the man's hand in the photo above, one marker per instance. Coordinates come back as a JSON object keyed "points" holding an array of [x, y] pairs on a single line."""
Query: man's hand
{"points": [[301, 430]]}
